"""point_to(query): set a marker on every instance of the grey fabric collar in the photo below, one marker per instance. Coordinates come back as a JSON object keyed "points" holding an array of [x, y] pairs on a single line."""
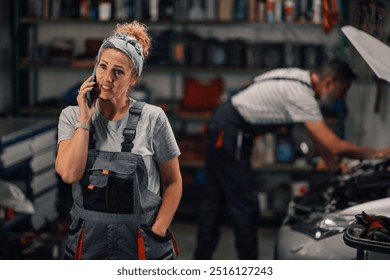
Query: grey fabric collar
{"points": [[127, 44]]}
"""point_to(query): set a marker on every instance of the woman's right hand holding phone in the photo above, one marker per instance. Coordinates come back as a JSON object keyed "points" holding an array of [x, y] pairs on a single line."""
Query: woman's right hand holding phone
{"points": [[86, 111]]}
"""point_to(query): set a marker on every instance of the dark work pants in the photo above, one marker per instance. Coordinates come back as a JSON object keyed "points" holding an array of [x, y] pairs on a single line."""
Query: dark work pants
{"points": [[229, 187]]}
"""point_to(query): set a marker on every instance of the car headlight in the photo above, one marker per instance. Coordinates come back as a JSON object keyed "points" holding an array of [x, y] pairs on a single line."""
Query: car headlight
{"points": [[319, 227], [331, 225]]}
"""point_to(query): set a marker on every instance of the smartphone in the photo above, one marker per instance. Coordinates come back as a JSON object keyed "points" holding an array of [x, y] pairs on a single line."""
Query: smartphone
{"points": [[91, 94]]}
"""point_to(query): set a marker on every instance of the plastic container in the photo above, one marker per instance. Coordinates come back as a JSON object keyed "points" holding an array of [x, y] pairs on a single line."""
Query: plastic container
{"points": [[365, 249]]}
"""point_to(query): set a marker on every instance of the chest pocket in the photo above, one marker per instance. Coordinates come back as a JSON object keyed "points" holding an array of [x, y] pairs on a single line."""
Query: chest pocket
{"points": [[108, 191], [113, 180]]}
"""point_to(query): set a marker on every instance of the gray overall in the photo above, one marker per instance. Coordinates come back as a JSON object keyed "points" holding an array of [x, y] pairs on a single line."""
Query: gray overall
{"points": [[113, 208]]}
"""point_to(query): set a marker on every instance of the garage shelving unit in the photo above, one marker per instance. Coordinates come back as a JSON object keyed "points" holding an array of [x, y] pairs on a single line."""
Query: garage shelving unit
{"points": [[27, 72]]}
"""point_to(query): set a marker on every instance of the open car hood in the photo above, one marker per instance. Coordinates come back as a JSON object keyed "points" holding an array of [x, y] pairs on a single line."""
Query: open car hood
{"points": [[373, 51]]}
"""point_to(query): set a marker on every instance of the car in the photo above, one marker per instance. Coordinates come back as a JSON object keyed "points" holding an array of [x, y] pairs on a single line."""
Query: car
{"points": [[315, 222]]}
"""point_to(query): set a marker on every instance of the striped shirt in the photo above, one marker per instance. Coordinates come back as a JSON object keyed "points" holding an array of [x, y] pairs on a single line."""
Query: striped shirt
{"points": [[280, 96]]}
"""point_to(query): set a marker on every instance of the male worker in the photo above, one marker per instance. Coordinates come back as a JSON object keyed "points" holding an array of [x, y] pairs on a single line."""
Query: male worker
{"points": [[281, 96]]}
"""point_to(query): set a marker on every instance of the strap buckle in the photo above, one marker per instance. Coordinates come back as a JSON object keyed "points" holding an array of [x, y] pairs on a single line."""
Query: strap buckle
{"points": [[129, 134], [127, 147], [135, 110]]}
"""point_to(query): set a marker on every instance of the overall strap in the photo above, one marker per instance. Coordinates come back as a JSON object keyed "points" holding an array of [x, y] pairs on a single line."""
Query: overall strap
{"points": [[274, 79], [92, 141], [285, 79], [130, 131]]}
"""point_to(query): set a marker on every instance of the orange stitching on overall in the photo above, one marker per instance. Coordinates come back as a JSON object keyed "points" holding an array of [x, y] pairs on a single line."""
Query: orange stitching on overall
{"points": [[175, 244], [79, 249], [141, 246]]}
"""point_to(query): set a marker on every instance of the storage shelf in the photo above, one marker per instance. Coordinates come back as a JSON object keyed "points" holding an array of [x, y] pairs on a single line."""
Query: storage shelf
{"points": [[192, 116], [167, 23], [26, 64], [51, 66], [40, 111], [175, 69], [273, 167], [288, 167]]}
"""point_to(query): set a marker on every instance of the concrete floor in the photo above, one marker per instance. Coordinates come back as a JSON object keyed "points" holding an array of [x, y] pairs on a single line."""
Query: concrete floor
{"points": [[185, 234]]}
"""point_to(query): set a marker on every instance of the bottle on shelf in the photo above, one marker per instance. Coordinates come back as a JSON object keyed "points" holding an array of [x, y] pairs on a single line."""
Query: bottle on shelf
{"points": [[196, 10], [105, 10]]}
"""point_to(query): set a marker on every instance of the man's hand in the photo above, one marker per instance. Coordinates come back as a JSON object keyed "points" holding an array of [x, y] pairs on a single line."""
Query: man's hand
{"points": [[385, 153], [341, 168]]}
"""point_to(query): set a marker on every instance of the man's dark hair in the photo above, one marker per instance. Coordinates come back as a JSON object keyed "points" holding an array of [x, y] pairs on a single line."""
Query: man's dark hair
{"points": [[338, 69]]}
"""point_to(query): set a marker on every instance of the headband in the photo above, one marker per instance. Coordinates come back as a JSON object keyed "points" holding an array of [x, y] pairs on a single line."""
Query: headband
{"points": [[127, 44]]}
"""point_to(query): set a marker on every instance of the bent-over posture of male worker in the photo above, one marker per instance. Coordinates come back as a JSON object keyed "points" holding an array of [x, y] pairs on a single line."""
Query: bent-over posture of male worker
{"points": [[280, 96]]}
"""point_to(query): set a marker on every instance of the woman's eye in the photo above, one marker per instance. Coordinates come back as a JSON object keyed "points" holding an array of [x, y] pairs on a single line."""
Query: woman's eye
{"points": [[103, 66], [118, 72]]}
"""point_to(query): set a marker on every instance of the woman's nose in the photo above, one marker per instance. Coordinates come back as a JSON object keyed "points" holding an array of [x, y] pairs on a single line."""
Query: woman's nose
{"points": [[107, 76]]}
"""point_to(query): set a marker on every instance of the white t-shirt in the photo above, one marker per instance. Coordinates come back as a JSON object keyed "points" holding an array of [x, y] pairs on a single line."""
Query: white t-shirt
{"points": [[154, 140], [277, 97]]}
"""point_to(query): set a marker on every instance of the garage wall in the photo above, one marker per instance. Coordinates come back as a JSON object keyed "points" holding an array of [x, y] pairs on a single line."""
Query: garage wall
{"points": [[5, 58], [364, 126]]}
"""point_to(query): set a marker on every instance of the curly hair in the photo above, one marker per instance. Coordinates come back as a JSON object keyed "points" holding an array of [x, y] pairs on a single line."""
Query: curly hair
{"points": [[137, 30]]}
